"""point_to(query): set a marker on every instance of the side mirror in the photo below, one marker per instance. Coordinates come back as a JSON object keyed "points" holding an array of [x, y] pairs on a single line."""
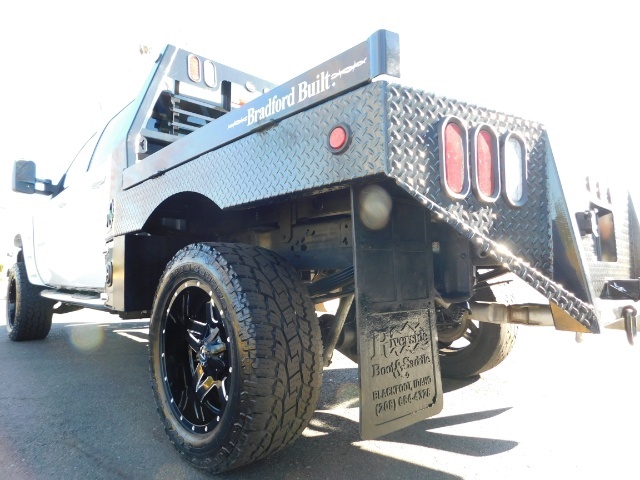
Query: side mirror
{"points": [[24, 176], [24, 179]]}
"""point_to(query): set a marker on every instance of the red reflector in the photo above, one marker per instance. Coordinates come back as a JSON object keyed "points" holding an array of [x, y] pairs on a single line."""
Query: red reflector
{"points": [[454, 158], [484, 157], [337, 138]]}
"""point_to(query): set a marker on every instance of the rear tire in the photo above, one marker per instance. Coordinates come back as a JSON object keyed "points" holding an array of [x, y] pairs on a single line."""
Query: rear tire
{"points": [[235, 354], [480, 347], [29, 315]]}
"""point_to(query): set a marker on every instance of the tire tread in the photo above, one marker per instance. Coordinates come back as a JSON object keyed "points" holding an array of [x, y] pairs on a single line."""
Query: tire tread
{"points": [[491, 347], [33, 313], [282, 363]]}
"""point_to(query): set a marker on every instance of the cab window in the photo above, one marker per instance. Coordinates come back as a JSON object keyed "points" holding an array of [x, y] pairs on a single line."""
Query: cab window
{"points": [[80, 164], [114, 133]]}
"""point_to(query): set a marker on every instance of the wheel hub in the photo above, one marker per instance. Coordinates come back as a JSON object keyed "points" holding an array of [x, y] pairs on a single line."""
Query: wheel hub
{"points": [[210, 356], [451, 332]]}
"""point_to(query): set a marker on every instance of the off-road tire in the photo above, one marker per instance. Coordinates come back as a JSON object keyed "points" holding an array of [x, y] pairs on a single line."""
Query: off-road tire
{"points": [[28, 314], [489, 346], [266, 377]]}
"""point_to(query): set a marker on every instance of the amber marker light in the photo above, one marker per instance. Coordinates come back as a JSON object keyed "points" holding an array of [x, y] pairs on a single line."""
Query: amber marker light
{"points": [[193, 68]]}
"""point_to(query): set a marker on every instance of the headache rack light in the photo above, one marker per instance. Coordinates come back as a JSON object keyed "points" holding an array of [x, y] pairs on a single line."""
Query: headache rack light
{"points": [[193, 68]]}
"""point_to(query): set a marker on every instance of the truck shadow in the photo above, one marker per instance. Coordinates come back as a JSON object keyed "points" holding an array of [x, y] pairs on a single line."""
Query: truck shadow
{"points": [[453, 384], [107, 386], [333, 439]]}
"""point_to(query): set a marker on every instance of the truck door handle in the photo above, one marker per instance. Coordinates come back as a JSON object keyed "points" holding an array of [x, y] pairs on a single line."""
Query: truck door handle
{"points": [[62, 205], [98, 183]]}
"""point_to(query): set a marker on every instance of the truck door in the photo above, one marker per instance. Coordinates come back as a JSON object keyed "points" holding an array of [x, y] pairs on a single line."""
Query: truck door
{"points": [[70, 233]]}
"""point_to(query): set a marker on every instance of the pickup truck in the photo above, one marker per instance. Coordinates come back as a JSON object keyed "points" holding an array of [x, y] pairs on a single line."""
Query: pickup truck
{"points": [[229, 211]]}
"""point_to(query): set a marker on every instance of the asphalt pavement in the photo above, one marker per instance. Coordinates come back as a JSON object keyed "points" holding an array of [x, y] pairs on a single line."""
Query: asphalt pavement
{"points": [[78, 405]]}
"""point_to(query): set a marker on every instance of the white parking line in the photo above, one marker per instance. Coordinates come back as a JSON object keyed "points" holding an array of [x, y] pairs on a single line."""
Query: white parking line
{"points": [[128, 334]]}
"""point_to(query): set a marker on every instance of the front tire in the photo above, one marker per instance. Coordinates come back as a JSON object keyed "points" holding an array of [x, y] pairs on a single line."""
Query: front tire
{"points": [[235, 354], [29, 315]]}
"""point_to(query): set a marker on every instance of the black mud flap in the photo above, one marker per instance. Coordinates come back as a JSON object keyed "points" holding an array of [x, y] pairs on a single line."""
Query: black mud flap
{"points": [[399, 369]]}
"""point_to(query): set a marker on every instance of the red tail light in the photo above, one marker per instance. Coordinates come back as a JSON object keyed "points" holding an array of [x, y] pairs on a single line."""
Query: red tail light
{"points": [[454, 170], [485, 164]]}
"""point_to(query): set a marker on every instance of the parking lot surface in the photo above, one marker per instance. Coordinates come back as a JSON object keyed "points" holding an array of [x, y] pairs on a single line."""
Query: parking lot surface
{"points": [[78, 405]]}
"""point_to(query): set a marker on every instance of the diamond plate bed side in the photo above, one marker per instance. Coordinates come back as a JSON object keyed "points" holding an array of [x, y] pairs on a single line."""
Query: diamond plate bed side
{"points": [[520, 238], [288, 158], [413, 158]]}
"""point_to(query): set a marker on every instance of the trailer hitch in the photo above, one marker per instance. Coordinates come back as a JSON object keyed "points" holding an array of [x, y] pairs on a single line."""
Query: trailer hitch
{"points": [[630, 323]]}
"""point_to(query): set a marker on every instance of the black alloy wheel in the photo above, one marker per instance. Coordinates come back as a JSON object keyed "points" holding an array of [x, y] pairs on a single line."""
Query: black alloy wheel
{"points": [[196, 366], [11, 303]]}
